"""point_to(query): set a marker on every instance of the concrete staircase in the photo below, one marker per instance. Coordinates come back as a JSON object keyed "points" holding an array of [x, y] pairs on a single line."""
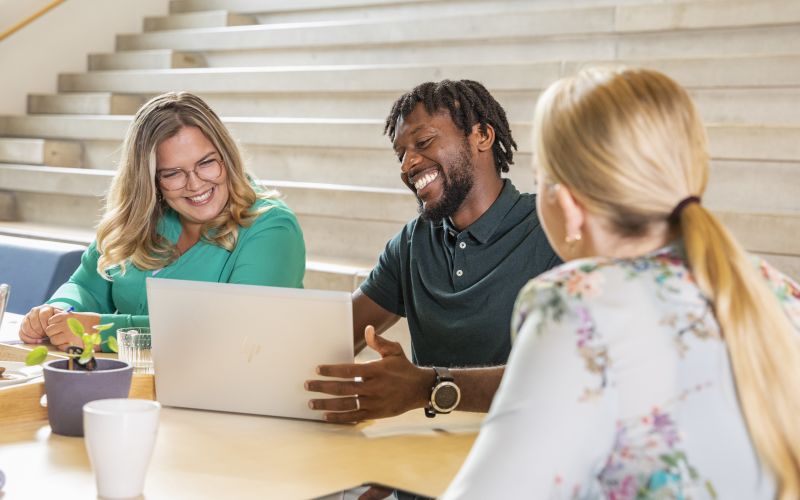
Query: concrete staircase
{"points": [[305, 86]]}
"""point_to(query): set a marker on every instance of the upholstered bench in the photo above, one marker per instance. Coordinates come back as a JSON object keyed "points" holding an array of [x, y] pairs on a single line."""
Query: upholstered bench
{"points": [[35, 269]]}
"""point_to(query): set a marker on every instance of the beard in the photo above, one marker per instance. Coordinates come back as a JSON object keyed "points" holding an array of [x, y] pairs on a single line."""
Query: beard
{"points": [[456, 185]]}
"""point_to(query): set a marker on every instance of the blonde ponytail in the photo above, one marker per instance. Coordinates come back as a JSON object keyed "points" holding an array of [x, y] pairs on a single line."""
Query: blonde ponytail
{"points": [[763, 346]]}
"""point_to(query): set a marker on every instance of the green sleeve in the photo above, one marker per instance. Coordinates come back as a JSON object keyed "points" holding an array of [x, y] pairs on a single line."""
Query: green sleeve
{"points": [[120, 321], [272, 252], [86, 290]]}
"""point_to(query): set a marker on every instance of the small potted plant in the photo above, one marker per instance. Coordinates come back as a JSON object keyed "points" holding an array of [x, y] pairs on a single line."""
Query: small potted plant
{"points": [[70, 383]]}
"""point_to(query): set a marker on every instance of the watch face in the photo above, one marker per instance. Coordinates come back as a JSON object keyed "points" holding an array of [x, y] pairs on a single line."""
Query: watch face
{"points": [[446, 397]]}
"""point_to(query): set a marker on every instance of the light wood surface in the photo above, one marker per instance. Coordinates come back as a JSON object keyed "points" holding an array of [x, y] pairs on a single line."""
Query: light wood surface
{"points": [[202, 454], [214, 455]]}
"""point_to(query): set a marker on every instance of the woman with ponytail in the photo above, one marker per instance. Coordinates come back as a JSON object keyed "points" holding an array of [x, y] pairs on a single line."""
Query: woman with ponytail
{"points": [[660, 361]]}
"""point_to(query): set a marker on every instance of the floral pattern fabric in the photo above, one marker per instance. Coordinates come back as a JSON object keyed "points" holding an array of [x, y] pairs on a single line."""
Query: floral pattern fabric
{"points": [[619, 386]]}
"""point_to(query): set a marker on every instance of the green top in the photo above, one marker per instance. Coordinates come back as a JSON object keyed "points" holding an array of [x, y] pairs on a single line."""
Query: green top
{"points": [[457, 288], [269, 252]]}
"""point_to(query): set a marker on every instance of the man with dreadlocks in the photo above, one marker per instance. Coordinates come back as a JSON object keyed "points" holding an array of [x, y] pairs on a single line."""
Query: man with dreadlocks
{"points": [[453, 272]]}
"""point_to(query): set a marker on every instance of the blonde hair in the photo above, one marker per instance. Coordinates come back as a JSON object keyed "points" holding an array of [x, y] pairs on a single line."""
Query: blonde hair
{"points": [[128, 229], [630, 146]]}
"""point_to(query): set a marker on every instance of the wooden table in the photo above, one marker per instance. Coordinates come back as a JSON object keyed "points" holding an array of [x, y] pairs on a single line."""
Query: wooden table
{"points": [[201, 454]]}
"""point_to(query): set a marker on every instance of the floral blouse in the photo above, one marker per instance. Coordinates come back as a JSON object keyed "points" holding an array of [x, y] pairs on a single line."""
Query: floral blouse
{"points": [[619, 386]]}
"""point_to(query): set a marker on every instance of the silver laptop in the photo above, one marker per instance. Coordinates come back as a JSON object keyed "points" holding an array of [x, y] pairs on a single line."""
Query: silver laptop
{"points": [[244, 348]]}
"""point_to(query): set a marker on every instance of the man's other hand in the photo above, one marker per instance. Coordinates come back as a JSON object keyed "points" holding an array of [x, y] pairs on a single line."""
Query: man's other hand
{"points": [[387, 387]]}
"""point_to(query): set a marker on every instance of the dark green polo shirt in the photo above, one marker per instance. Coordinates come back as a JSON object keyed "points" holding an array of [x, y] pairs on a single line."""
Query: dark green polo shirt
{"points": [[457, 289]]}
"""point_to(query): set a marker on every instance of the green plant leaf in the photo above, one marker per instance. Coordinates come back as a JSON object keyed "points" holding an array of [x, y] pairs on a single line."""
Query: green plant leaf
{"points": [[36, 356], [103, 327], [95, 339], [112, 344], [86, 355], [75, 326]]}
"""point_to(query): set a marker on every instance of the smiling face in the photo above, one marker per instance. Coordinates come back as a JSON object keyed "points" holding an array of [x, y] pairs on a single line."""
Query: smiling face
{"points": [[435, 161], [200, 200]]}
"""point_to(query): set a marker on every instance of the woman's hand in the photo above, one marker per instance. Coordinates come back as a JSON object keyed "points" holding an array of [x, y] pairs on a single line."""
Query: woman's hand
{"points": [[60, 334], [35, 322]]}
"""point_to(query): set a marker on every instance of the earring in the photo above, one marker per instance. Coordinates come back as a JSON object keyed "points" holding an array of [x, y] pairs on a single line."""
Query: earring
{"points": [[571, 241]]}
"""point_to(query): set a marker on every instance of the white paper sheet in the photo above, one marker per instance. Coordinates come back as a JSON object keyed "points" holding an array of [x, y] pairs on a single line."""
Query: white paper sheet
{"points": [[415, 423]]}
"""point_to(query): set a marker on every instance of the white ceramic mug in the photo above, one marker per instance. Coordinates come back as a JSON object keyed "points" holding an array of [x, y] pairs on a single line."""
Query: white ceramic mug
{"points": [[119, 436]]}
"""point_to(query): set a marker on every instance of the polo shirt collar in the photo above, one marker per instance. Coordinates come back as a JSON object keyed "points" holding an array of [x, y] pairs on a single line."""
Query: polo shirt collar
{"points": [[486, 225]]}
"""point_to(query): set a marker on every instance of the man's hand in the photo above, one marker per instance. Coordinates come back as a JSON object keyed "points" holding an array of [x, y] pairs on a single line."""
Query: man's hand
{"points": [[60, 334], [32, 330], [389, 386]]}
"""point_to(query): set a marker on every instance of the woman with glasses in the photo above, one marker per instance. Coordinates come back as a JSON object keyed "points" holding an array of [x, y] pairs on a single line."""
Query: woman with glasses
{"points": [[660, 361], [181, 206]]}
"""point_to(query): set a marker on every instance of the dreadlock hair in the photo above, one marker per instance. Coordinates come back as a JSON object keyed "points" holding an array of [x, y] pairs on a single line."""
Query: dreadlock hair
{"points": [[468, 103]]}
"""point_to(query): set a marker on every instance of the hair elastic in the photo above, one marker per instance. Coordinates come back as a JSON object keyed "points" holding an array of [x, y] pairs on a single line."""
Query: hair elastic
{"points": [[675, 216]]}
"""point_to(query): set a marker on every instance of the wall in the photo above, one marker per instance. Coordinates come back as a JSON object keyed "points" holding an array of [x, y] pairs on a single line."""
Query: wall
{"points": [[60, 41], [13, 11]]}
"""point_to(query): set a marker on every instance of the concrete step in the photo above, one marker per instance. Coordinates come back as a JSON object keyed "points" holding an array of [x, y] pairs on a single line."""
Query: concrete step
{"points": [[518, 24], [194, 20], [8, 206], [766, 142], [85, 103], [47, 232], [766, 233], [776, 71], [753, 186], [629, 15], [763, 40], [748, 141], [145, 59], [273, 6], [326, 8], [265, 14], [779, 106], [41, 152], [694, 15]]}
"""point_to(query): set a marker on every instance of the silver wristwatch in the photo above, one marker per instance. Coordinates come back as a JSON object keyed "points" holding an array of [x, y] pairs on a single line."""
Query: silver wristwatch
{"points": [[445, 394]]}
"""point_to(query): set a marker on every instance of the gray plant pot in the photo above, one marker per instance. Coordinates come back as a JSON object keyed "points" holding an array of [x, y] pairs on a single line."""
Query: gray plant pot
{"points": [[67, 391]]}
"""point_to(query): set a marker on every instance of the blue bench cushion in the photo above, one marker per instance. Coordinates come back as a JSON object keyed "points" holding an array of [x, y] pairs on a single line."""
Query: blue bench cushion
{"points": [[35, 269]]}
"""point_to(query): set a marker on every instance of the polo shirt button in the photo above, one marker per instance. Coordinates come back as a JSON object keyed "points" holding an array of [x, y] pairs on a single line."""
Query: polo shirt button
{"points": [[460, 273], [462, 245]]}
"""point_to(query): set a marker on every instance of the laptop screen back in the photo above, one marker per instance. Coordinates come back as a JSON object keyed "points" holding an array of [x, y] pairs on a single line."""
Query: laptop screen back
{"points": [[244, 348]]}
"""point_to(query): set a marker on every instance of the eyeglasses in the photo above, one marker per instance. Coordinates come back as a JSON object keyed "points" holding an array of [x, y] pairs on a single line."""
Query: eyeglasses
{"points": [[172, 179]]}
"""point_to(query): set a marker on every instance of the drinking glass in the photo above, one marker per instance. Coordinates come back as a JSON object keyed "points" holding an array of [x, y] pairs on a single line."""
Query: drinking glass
{"points": [[5, 291], [134, 348]]}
